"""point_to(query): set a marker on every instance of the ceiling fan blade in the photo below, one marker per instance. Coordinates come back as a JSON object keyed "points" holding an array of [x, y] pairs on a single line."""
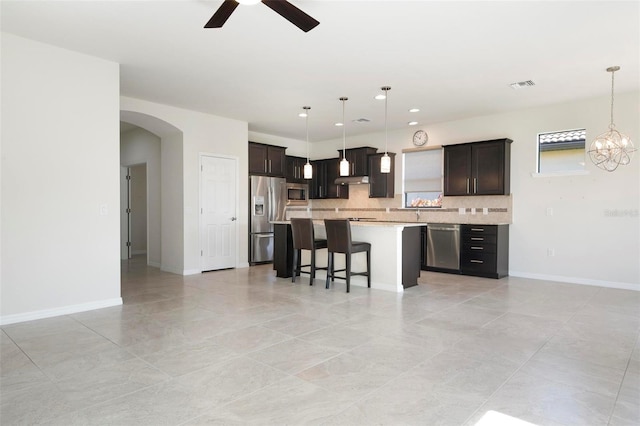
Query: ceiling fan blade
{"points": [[292, 14], [222, 14]]}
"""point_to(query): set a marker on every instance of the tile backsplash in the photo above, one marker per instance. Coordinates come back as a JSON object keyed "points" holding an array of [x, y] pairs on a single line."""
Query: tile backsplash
{"points": [[498, 209]]}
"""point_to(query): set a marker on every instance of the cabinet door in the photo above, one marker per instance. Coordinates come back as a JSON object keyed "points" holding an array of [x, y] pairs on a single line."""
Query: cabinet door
{"points": [[333, 172], [257, 159], [381, 185], [276, 161], [295, 170], [488, 175], [318, 185], [457, 170]]}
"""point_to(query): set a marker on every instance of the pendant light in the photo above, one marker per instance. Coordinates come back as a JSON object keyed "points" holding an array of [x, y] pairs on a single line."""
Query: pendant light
{"points": [[612, 148], [344, 164], [307, 170], [385, 160]]}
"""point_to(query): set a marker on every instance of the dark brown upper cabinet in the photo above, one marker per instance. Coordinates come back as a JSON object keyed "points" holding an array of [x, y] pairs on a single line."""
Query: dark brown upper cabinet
{"points": [[478, 168], [295, 169], [381, 185], [358, 160], [322, 184], [267, 160]]}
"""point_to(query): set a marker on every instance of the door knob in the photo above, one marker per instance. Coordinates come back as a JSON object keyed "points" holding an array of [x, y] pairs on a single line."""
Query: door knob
{"points": [[233, 219]]}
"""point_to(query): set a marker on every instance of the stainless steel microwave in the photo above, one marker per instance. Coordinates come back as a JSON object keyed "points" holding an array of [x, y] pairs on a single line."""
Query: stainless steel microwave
{"points": [[297, 194]]}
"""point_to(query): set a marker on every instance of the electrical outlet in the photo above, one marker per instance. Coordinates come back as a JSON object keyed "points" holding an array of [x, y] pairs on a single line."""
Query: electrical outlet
{"points": [[485, 210], [462, 210], [473, 210], [549, 211], [551, 252], [388, 209], [104, 209]]}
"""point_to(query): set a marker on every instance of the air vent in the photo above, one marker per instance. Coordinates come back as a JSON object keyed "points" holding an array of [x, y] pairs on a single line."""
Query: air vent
{"points": [[522, 84], [361, 120]]}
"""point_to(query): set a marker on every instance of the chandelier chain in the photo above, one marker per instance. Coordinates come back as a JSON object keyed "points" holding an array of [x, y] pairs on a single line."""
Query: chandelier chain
{"points": [[611, 125]]}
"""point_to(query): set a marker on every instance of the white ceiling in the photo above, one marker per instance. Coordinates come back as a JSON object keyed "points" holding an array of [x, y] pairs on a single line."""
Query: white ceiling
{"points": [[451, 59]]}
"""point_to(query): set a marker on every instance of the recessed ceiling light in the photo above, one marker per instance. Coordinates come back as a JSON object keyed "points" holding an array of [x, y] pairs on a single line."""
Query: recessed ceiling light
{"points": [[414, 110], [412, 123], [380, 97], [338, 124]]}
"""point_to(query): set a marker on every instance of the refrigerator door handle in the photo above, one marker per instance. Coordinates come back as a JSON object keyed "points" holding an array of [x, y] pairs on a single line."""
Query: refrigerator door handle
{"points": [[270, 196]]}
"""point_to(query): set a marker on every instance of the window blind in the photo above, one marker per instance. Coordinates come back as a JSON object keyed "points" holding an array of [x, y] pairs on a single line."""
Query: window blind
{"points": [[423, 171]]}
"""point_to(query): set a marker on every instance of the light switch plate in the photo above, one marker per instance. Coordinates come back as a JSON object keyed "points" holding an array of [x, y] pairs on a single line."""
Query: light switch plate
{"points": [[462, 210]]}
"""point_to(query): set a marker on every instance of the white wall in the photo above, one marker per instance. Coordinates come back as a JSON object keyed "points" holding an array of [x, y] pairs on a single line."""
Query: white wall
{"points": [[295, 147], [201, 133], [139, 146], [595, 227], [60, 174]]}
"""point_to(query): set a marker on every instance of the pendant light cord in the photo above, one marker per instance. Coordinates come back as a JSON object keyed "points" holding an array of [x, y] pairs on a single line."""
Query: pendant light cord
{"points": [[386, 133], [307, 125], [344, 140]]}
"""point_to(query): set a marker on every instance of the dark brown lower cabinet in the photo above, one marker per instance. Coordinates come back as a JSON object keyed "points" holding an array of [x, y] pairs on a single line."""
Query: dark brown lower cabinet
{"points": [[484, 250]]}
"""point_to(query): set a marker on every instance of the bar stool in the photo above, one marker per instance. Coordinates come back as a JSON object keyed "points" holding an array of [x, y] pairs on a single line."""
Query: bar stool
{"points": [[304, 239], [339, 241]]}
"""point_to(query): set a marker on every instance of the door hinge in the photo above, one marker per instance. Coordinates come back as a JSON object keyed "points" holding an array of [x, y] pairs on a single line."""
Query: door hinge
{"points": [[128, 243], [128, 177], [201, 253], [128, 210]]}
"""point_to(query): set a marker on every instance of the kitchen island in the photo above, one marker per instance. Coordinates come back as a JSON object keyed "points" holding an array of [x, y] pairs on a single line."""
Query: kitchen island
{"points": [[395, 254]]}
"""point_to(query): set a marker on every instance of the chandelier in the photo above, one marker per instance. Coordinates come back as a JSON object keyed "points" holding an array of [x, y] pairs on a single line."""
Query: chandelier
{"points": [[612, 148]]}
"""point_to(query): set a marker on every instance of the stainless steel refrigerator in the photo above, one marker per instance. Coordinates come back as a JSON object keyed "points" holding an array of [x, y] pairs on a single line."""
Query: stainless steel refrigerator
{"points": [[267, 204]]}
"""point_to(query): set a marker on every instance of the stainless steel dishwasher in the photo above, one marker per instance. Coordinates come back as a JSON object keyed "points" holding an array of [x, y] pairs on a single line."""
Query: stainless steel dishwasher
{"points": [[443, 247]]}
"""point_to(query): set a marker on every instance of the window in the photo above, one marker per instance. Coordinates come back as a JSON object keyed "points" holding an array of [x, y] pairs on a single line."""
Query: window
{"points": [[561, 151], [422, 178]]}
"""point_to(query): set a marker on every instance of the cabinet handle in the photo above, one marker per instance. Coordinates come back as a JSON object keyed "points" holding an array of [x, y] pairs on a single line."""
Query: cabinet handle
{"points": [[477, 248], [475, 185], [478, 229], [467, 185], [270, 166], [477, 239], [476, 261], [266, 168]]}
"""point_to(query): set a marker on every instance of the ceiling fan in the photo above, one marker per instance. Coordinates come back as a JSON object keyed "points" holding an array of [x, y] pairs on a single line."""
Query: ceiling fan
{"points": [[282, 7]]}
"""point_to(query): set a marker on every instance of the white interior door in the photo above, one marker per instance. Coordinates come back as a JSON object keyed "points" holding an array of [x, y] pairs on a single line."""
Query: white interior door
{"points": [[218, 225]]}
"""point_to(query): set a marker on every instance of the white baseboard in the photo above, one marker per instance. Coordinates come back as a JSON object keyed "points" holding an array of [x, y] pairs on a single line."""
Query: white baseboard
{"points": [[575, 280], [154, 264], [136, 252], [243, 265], [55, 312], [191, 272]]}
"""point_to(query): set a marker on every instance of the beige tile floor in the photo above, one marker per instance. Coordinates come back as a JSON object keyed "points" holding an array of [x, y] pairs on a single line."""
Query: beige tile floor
{"points": [[243, 347]]}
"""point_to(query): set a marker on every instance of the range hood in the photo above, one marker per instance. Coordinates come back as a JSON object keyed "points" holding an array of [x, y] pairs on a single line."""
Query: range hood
{"points": [[351, 180]]}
